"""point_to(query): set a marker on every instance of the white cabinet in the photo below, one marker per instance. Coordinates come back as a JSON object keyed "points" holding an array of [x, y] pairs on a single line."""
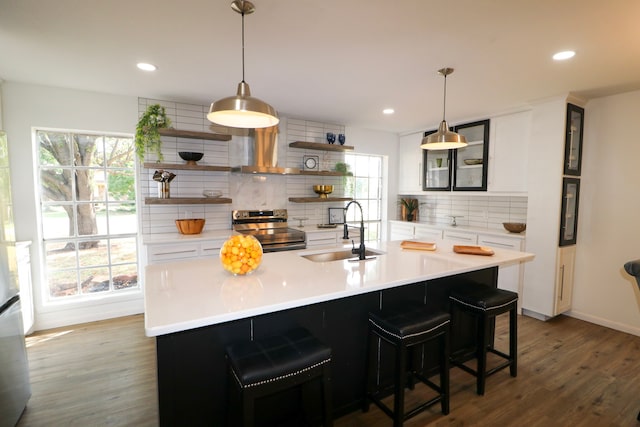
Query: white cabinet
{"points": [[410, 164], [211, 248], [548, 278], [332, 237], [564, 278], [167, 252], [401, 230], [427, 233], [508, 152], [322, 238]]}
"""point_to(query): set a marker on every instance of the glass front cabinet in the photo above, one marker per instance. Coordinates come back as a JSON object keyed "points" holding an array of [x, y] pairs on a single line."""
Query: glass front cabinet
{"points": [[437, 171], [569, 211], [573, 140], [464, 169]]}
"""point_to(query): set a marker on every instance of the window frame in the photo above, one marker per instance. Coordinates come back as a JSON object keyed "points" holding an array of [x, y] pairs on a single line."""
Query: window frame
{"points": [[373, 224], [106, 236]]}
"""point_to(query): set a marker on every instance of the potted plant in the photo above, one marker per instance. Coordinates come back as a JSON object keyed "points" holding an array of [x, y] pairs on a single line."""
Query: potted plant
{"points": [[147, 135], [410, 206], [347, 182]]}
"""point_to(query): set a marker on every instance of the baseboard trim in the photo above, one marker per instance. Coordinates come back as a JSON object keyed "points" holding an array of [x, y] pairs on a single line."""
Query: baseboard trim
{"points": [[622, 327]]}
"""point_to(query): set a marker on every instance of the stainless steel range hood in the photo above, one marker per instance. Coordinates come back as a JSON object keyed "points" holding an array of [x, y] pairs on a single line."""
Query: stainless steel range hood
{"points": [[262, 154]]}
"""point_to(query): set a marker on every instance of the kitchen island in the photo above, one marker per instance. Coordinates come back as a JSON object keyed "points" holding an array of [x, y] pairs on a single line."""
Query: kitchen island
{"points": [[195, 308]]}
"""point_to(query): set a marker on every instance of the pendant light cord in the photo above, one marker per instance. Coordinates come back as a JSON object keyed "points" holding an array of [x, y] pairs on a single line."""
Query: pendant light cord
{"points": [[242, 46], [444, 101]]}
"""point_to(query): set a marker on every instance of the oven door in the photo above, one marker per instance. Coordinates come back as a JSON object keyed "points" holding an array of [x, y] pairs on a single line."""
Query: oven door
{"points": [[277, 239]]}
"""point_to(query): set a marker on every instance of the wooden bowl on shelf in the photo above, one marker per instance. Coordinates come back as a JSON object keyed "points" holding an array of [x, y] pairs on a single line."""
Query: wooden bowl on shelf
{"points": [[190, 226], [323, 190], [514, 227]]}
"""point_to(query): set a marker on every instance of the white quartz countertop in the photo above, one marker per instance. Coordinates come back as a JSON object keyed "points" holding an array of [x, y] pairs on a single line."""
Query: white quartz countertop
{"points": [[190, 294]]}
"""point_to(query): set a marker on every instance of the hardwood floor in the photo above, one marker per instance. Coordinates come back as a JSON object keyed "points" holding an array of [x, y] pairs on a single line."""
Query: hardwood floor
{"points": [[95, 374], [571, 373]]}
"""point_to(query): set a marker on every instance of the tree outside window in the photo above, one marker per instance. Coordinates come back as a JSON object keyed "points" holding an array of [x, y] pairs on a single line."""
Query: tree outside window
{"points": [[87, 196]]}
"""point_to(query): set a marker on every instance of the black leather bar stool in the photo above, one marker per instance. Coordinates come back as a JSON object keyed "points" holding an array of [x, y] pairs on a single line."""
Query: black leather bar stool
{"points": [[406, 328], [263, 367], [485, 303]]}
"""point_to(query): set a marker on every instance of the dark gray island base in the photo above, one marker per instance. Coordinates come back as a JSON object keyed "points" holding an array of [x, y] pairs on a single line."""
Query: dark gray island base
{"points": [[192, 376]]}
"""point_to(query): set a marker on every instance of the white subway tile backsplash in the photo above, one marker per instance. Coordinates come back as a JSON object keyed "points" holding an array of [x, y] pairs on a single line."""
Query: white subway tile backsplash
{"points": [[481, 211]]}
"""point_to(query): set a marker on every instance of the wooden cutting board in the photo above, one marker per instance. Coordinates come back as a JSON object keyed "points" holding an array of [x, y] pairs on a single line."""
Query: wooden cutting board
{"points": [[418, 246], [472, 250]]}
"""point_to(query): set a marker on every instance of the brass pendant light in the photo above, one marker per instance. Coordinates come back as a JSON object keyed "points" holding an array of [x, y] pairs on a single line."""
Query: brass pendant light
{"points": [[444, 139], [243, 110]]}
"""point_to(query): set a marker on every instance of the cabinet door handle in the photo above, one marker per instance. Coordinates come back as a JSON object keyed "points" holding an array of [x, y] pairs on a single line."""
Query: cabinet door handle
{"points": [[468, 239], [561, 282], [176, 252]]}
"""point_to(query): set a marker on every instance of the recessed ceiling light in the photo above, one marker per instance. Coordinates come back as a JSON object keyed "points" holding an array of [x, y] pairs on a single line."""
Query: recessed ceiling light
{"points": [[566, 54], [388, 111], [146, 67]]}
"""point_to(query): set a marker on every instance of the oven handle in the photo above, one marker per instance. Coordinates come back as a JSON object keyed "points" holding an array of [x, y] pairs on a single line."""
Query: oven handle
{"points": [[280, 247]]}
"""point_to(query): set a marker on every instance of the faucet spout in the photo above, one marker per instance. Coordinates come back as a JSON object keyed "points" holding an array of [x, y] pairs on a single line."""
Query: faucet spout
{"points": [[361, 249]]}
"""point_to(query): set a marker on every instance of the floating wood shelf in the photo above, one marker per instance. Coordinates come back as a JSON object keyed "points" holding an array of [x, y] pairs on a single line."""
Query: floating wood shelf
{"points": [[193, 134], [323, 173], [184, 166], [319, 146], [319, 199], [187, 201]]}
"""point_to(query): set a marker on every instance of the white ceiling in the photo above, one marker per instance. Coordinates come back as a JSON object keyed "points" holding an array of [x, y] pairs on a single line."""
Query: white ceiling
{"points": [[329, 60]]}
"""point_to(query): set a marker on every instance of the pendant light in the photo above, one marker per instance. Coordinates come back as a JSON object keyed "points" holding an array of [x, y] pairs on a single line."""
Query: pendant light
{"points": [[243, 110], [444, 139]]}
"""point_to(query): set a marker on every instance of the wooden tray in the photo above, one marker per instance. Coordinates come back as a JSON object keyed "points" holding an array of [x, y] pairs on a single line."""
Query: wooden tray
{"points": [[472, 250], [418, 246]]}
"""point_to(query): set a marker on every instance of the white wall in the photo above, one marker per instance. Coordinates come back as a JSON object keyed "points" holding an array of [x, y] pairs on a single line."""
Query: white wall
{"points": [[608, 221], [25, 107]]}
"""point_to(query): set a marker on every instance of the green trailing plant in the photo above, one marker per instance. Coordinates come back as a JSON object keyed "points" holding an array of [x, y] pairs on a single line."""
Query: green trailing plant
{"points": [[344, 168], [347, 177], [147, 135]]}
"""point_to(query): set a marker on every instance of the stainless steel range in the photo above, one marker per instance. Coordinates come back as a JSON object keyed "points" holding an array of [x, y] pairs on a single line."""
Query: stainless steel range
{"points": [[270, 228]]}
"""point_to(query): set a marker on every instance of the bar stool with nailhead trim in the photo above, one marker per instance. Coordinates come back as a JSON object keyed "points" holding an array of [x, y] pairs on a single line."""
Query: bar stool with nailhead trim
{"points": [[263, 367], [484, 303], [405, 328]]}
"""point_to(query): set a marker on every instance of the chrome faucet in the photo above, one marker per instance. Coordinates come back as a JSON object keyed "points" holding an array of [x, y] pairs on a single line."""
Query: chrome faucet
{"points": [[361, 249]]}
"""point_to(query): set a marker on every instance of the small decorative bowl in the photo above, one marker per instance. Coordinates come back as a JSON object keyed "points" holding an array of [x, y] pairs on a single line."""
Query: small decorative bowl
{"points": [[323, 190], [472, 161], [514, 227], [212, 193], [190, 157], [190, 226]]}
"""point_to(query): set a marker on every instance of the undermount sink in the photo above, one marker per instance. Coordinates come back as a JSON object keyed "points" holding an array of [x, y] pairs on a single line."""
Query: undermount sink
{"points": [[338, 255]]}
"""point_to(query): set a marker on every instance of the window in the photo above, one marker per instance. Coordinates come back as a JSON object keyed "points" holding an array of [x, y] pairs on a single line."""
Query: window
{"points": [[86, 187], [366, 187]]}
